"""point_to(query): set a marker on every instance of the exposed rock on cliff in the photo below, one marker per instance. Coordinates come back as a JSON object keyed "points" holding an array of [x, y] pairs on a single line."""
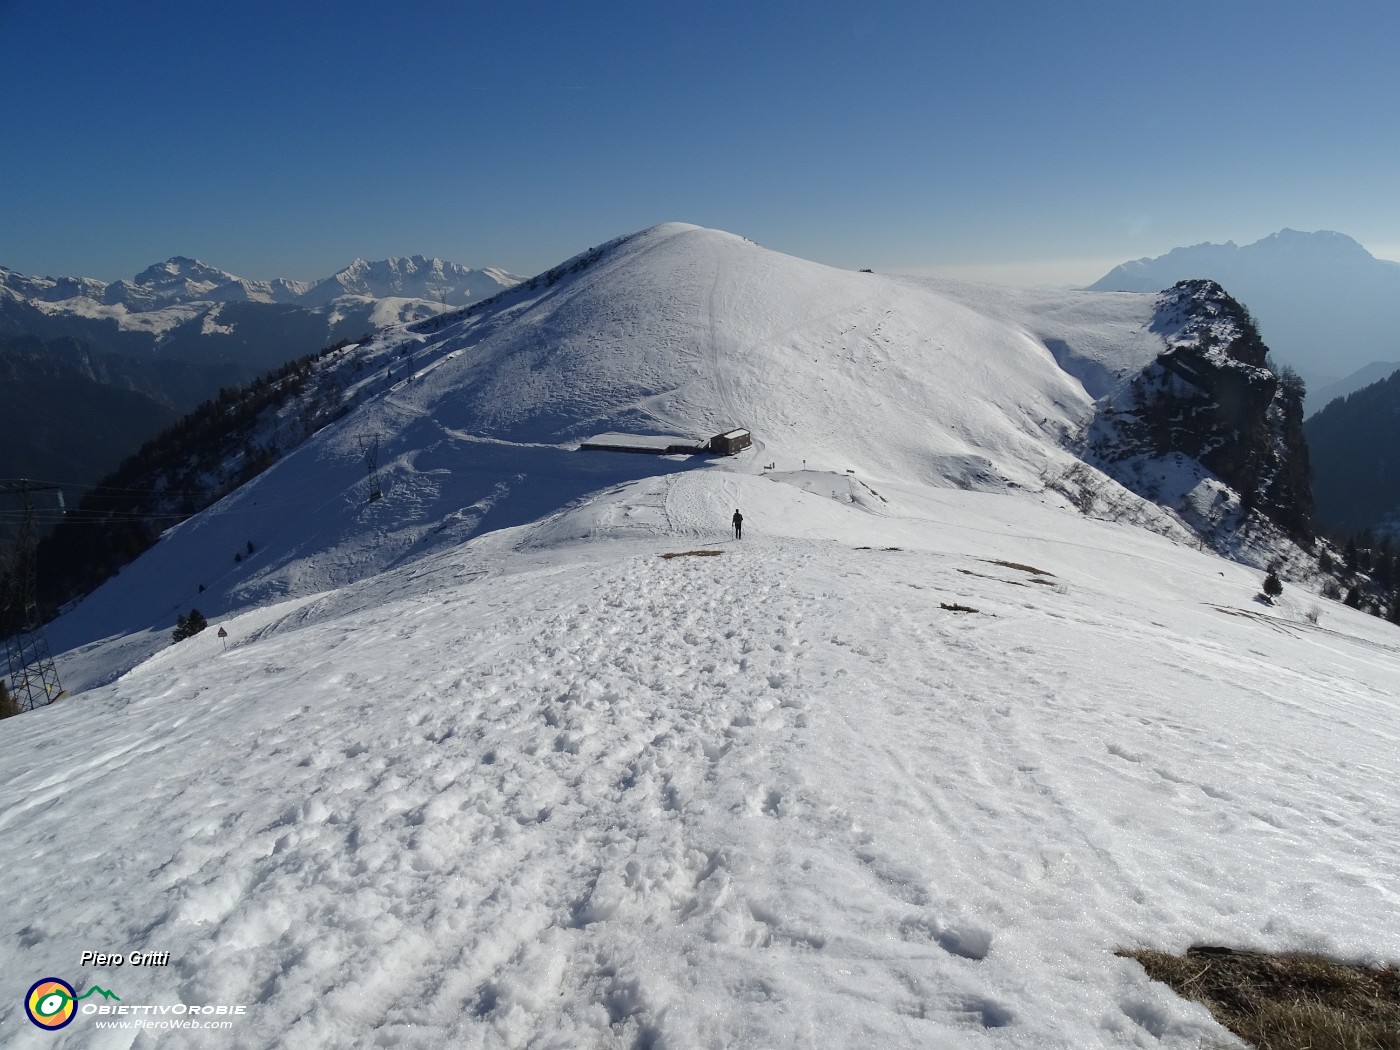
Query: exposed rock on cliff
{"points": [[1209, 428]]}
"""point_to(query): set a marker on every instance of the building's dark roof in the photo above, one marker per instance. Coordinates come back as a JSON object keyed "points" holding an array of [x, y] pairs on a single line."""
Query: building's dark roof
{"points": [[657, 444]]}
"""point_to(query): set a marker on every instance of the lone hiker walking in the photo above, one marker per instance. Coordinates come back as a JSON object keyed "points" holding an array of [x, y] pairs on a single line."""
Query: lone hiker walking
{"points": [[738, 525]]}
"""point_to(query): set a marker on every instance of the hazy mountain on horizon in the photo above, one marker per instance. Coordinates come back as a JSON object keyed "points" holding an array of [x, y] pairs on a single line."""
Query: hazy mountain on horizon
{"points": [[1324, 304], [1358, 380]]}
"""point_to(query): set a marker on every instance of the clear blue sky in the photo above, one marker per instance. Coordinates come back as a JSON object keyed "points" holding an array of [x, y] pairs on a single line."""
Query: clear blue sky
{"points": [[1025, 141]]}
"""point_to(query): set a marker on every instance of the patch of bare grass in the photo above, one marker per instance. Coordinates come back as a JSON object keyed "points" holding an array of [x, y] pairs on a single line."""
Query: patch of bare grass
{"points": [[1288, 1001], [1023, 568], [692, 554], [955, 607]]}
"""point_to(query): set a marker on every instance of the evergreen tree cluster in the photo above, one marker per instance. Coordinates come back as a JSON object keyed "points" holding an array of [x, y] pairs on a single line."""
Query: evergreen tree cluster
{"points": [[189, 626], [1368, 576], [1356, 473]]}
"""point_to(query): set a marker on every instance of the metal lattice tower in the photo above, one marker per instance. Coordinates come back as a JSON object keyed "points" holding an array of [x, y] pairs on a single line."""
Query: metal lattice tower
{"points": [[369, 452], [33, 676]]}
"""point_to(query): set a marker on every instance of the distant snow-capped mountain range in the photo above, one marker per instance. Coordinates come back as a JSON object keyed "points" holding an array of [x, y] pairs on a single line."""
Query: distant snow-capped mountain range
{"points": [[187, 310], [181, 330], [180, 281]]}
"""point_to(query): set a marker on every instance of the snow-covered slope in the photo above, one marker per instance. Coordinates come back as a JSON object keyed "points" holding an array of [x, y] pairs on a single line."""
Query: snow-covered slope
{"points": [[476, 766], [535, 791]]}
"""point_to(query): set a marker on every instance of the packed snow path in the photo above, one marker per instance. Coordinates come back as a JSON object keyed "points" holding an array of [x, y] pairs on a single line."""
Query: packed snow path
{"points": [[776, 797]]}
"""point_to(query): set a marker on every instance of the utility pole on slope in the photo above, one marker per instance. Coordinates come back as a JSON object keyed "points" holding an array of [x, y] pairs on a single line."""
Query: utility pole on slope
{"points": [[369, 452], [33, 676]]}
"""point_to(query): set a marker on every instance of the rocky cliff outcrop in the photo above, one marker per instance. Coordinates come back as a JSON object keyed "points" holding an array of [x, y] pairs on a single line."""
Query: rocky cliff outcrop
{"points": [[1209, 428]]}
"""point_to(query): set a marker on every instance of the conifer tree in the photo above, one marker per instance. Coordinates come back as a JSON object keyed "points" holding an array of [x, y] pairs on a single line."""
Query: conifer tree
{"points": [[1383, 570], [8, 706], [188, 626]]}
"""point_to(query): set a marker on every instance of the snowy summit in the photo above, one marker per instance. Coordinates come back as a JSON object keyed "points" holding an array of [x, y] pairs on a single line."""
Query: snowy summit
{"points": [[532, 752]]}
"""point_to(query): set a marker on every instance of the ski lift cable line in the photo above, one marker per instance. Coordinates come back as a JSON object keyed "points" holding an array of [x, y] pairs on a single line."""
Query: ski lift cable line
{"points": [[169, 493], [90, 518], [85, 486], [261, 506], [80, 514]]}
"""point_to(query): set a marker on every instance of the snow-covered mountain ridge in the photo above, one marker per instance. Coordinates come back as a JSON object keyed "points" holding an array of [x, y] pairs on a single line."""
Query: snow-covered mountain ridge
{"points": [[412, 278], [902, 767], [674, 330]]}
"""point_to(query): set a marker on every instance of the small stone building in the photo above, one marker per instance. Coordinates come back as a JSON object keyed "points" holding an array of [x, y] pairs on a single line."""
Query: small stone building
{"points": [[730, 443]]}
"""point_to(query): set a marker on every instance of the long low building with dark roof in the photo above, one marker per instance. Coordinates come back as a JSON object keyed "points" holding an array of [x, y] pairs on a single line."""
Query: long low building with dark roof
{"points": [[726, 444]]}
